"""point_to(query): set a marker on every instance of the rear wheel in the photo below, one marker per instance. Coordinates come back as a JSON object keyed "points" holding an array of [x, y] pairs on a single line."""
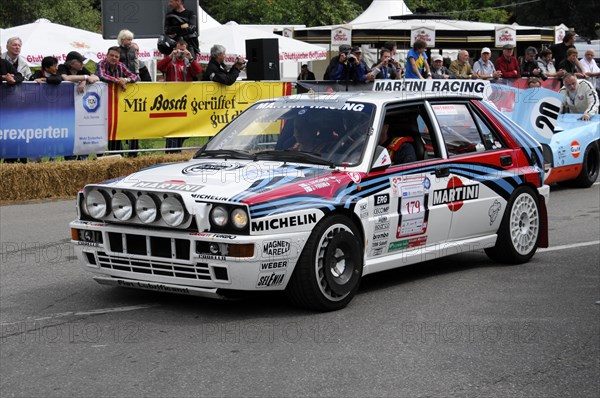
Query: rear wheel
{"points": [[328, 273], [590, 167], [520, 229]]}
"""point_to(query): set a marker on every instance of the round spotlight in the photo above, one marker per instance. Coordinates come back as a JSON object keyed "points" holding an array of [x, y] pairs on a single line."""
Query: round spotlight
{"points": [[239, 218], [122, 206], [219, 216], [146, 209], [172, 211], [96, 203]]}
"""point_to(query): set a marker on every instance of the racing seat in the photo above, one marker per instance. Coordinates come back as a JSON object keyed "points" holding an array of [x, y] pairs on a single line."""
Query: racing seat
{"points": [[408, 127]]}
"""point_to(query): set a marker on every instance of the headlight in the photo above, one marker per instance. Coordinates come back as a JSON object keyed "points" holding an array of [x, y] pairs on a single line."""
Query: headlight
{"points": [[96, 203], [122, 206], [219, 216], [146, 209], [239, 218], [172, 211]]}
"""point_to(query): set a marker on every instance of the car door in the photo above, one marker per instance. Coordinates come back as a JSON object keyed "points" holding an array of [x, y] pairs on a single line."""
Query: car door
{"points": [[479, 170], [402, 216]]}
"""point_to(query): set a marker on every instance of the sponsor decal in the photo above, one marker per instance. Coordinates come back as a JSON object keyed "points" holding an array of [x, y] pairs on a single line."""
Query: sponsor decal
{"points": [[383, 199], [272, 279], [210, 166], [210, 197], [381, 235], [377, 251], [153, 286], [213, 236], [381, 210], [363, 210], [575, 149], [211, 257], [314, 185], [455, 194], [426, 183], [355, 177], [273, 265], [92, 244], [276, 247], [494, 211], [382, 226], [284, 222], [169, 185], [407, 244]]}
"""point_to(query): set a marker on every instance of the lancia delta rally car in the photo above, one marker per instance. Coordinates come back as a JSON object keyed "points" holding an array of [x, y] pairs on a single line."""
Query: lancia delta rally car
{"points": [[300, 194]]}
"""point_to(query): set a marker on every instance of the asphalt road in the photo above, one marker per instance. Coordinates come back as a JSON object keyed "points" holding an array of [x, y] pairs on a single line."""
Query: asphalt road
{"points": [[460, 326]]}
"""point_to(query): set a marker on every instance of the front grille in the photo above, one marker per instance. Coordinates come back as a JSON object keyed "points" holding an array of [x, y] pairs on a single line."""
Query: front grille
{"points": [[154, 267], [142, 245]]}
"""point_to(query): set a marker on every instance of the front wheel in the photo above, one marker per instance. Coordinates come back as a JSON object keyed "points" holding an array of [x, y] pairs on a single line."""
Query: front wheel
{"points": [[520, 229], [330, 267], [590, 167]]}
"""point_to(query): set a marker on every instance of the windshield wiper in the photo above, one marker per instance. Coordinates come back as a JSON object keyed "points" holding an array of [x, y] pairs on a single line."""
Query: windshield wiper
{"points": [[293, 156], [224, 153]]}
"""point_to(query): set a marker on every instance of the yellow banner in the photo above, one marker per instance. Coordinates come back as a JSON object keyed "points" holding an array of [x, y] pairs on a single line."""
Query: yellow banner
{"points": [[157, 110]]}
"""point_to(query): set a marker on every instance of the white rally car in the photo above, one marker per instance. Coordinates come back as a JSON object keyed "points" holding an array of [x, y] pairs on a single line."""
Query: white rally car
{"points": [[302, 194]]}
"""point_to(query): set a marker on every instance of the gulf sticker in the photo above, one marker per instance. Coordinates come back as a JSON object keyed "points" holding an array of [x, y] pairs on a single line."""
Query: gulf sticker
{"points": [[575, 149]]}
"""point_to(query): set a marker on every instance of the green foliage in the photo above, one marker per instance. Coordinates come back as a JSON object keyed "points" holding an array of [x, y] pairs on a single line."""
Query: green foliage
{"points": [[465, 10], [82, 14], [298, 12]]}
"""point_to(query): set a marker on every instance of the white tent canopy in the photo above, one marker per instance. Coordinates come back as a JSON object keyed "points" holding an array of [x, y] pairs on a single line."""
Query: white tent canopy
{"points": [[233, 37], [382, 9]]}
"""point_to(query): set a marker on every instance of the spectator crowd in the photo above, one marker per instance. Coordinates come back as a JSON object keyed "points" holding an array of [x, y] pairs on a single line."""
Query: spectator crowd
{"points": [[179, 45]]}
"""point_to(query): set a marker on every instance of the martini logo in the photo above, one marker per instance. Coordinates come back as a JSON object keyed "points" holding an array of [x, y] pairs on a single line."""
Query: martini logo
{"points": [[455, 194], [575, 149]]}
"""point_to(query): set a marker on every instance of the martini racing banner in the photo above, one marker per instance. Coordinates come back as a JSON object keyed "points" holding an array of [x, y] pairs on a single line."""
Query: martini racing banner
{"points": [[156, 110], [37, 120]]}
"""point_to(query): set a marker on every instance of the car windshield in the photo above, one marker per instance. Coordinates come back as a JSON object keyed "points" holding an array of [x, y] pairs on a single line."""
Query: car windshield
{"points": [[300, 132]]}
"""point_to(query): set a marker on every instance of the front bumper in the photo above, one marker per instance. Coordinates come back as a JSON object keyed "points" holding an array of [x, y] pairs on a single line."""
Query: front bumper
{"points": [[180, 262]]}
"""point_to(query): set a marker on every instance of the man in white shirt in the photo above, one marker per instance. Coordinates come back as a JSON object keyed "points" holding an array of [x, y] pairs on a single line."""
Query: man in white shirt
{"points": [[13, 55], [591, 69], [484, 68], [579, 96]]}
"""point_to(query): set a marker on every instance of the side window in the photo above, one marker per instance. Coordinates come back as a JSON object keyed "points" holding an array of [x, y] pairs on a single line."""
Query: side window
{"points": [[405, 134], [490, 137], [459, 130]]}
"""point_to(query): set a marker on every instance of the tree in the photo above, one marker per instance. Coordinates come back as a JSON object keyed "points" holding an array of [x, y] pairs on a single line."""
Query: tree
{"points": [[83, 14], [293, 12]]}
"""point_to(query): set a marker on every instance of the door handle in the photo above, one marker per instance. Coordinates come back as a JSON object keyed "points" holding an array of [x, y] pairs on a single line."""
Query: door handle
{"points": [[442, 172], [506, 160]]}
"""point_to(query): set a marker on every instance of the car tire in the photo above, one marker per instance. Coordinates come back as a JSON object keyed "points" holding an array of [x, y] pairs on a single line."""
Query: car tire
{"points": [[519, 231], [590, 167], [328, 273]]}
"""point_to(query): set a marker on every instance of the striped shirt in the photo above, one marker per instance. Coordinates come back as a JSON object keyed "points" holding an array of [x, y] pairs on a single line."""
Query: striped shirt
{"points": [[107, 75]]}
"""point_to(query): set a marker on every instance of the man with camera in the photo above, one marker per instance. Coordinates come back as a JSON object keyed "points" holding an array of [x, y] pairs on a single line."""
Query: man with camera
{"points": [[385, 69], [217, 72], [360, 72], [338, 66], [530, 67], [180, 65]]}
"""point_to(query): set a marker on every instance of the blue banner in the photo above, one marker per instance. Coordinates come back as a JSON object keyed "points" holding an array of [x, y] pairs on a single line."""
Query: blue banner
{"points": [[36, 120]]}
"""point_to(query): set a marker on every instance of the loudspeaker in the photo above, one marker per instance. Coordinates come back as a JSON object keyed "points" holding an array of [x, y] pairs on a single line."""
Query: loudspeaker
{"points": [[263, 59]]}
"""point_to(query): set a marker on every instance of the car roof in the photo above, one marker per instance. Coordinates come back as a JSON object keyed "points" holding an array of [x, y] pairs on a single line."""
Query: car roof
{"points": [[336, 99]]}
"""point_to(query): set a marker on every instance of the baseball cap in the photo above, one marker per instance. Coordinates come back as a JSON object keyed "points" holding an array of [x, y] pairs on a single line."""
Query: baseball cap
{"points": [[75, 55], [436, 57], [508, 47], [344, 48], [485, 50], [356, 49]]}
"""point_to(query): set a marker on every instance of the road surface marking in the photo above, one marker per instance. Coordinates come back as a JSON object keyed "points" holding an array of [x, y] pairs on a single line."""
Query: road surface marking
{"points": [[571, 246]]}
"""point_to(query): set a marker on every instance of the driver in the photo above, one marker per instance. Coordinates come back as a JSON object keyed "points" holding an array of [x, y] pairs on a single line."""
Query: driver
{"points": [[400, 149]]}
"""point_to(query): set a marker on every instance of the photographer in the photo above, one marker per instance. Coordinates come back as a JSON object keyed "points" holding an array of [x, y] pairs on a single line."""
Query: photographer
{"points": [[530, 67], [179, 23], [216, 71], [338, 66], [360, 72], [180, 65], [385, 69]]}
